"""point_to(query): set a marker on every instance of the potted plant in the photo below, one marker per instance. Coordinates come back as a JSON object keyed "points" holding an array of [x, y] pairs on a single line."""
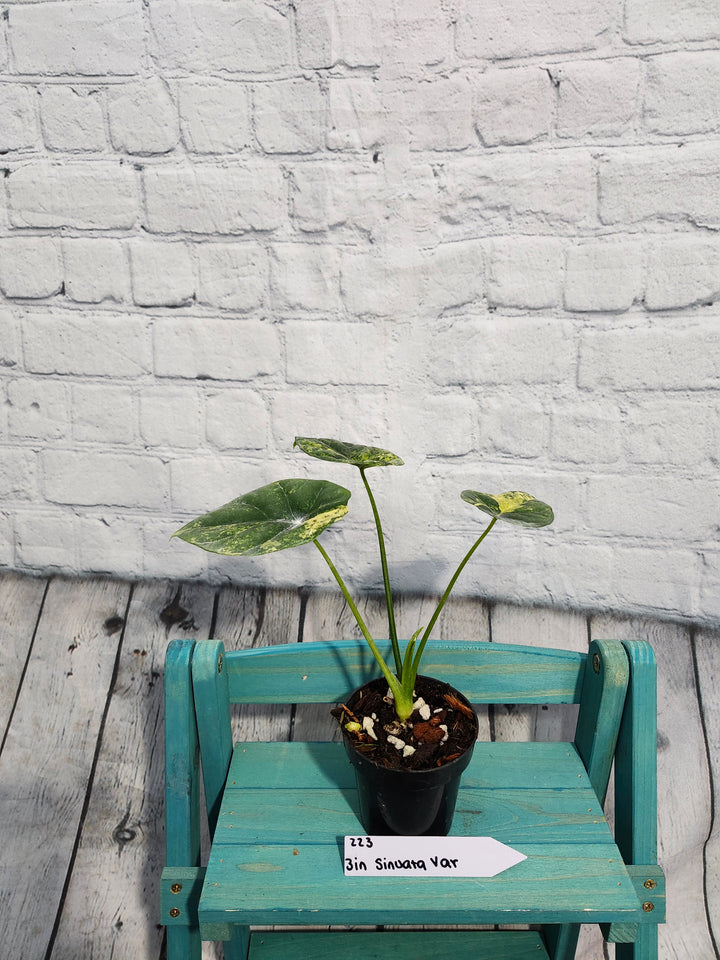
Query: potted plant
{"points": [[408, 737]]}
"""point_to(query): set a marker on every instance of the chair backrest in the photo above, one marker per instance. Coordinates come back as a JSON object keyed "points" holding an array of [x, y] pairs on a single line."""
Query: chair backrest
{"points": [[485, 672], [326, 672]]}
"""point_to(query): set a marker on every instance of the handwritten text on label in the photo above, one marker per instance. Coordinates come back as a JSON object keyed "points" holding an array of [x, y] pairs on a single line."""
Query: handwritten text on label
{"points": [[427, 856]]}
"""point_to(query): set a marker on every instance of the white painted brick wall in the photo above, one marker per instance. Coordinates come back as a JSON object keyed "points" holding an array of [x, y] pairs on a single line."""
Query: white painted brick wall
{"points": [[214, 115], [142, 117], [55, 194], [597, 98], [484, 235], [96, 269], [513, 105], [82, 38], [72, 118], [30, 267]]}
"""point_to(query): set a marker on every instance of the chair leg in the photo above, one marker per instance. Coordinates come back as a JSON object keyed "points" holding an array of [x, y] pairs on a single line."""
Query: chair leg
{"points": [[237, 948], [561, 940], [644, 948], [183, 943]]}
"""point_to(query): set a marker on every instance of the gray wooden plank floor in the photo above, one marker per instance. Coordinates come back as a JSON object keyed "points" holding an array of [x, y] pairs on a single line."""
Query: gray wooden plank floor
{"points": [[81, 826]]}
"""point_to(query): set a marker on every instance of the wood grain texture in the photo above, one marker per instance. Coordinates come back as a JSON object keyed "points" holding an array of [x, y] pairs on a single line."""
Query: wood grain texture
{"points": [[285, 883], [46, 765], [324, 672], [604, 688], [511, 816], [183, 814], [707, 658], [20, 602], [111, 903], [542, 765], [212, 715], [533, 626], [684, 797], [368, 946], [250, 618]]}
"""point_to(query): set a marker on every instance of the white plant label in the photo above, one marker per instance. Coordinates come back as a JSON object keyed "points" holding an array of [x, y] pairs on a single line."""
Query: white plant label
{"points": [[427, 857]]}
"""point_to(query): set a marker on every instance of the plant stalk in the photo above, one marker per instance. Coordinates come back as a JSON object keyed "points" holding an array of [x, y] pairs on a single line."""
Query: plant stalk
{"points": [[448, 590], [393, 681], [386, 579]]}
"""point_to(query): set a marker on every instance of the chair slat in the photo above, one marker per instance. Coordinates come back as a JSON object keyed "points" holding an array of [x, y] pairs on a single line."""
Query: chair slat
{"points": [[313, 766], [466, 945], [287, 883], [510, 816], [326, 672]]}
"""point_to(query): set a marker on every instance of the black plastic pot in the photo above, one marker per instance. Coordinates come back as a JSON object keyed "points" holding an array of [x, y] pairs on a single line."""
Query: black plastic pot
{"points": [[408, 803]]}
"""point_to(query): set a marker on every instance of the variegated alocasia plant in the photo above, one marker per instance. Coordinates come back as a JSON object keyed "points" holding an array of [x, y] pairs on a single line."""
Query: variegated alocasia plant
{"points": [[288, 513]]}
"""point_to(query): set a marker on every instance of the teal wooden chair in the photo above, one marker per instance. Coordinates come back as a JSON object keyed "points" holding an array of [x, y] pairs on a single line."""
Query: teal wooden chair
{"points": [[277, 812]]}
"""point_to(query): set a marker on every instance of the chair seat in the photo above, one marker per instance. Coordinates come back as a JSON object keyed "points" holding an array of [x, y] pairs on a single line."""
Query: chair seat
{"points": [[277, 853]]}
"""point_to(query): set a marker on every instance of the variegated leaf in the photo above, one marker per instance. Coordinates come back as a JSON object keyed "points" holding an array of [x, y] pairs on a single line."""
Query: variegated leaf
{"points": [[278, 516], [514, 506], [337, 451]]}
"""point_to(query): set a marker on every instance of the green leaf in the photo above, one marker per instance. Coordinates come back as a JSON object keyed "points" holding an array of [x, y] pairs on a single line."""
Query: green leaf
{"points": [[337, 451], [514, 506], [280, 515]]}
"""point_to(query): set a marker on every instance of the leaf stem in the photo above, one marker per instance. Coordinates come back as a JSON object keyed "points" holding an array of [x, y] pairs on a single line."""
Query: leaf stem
{"points": [[386, 579], [393, 681], [448, 590]]}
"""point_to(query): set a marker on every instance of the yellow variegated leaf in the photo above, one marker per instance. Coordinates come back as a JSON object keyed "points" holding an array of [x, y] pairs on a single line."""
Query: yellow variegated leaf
{"points": [[278, 516], [514, 506], [337, 451]]}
